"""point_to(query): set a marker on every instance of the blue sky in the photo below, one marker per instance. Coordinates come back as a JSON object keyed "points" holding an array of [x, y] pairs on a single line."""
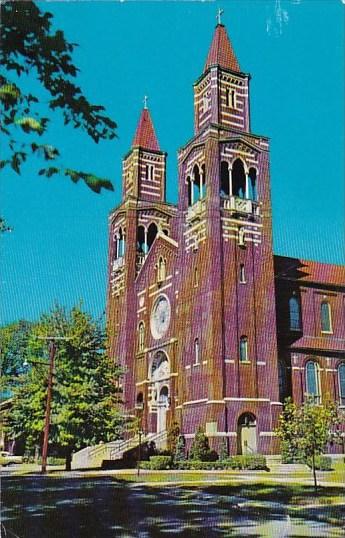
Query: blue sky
{"points": [[58, 249]]}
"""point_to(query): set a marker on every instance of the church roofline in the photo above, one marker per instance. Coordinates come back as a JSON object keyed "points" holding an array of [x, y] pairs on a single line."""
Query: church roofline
{"points": [[226, 70], [142, 148], [238, 134]]}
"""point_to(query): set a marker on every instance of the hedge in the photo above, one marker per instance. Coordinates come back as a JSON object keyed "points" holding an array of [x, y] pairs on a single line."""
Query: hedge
{"points": [[161, 463], [322, 463]]}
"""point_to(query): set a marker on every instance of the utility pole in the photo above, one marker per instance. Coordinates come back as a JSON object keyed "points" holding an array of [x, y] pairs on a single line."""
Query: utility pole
{"points": [[52, 351]]}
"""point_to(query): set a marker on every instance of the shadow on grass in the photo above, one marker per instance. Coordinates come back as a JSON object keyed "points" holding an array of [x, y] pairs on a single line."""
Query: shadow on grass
{"points": [[42, 506]]}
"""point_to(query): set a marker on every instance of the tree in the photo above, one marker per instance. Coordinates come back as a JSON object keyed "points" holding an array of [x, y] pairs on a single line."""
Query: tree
{"points": [[305, 430], [200, 449], [180, 450], [223, 451], [32, 49], [85, 403], [172, 437], [13, 354]]}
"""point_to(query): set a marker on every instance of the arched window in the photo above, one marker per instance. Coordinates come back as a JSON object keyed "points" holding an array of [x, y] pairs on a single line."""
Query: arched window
{"points": [[141, 240], [203, 182], [197, 188], [326, 318], [140, 402], [252, 184], [121, 243], [233, 99], [141, 336], [241, 240], [244, 349], [190, 191], [224, 179], [196, 351], [151, 235], [196, 277], [242, 274], [227, 97], [341, 379], [238, 179], [161, 270], [294, 314], [313, 381]]}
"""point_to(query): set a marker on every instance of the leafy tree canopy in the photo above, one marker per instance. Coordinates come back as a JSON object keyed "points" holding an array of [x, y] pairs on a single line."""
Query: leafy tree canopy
{"points": [[85, 403], [305, 430], [32, 48], [14, 346]]}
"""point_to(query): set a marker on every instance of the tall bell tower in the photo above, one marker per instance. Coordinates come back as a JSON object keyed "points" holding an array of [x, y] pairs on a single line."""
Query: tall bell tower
{"points": [[228, 320]]}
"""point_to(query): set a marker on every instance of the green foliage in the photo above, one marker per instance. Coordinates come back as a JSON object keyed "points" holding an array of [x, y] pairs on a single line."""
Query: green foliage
{"points": [[14, 352], [200, 449], [31, 47], [157, 463], [322, 463], [180, 450], [85, 403], [172, 437], [255, 462], [305, 430], [223, 451]]}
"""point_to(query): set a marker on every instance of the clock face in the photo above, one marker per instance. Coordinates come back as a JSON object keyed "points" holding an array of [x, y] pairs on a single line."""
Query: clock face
{"points": [[160, 317]]}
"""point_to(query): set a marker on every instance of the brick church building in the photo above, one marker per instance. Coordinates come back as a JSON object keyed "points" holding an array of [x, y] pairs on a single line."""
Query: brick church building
{"points": [[212, 328]]}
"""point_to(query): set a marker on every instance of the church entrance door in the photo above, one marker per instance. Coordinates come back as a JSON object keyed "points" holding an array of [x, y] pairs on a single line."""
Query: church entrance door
{"points": [[163, 404], [246, 434]]}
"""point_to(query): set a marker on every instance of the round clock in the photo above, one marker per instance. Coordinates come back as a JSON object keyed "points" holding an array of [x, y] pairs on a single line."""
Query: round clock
{"points": [[160, 317]]}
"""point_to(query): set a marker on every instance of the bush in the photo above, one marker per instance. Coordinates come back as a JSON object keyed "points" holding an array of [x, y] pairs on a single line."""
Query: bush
{"points": [[200, 447], [322, 463], [157, 463], [255, 462], [180, 452]]}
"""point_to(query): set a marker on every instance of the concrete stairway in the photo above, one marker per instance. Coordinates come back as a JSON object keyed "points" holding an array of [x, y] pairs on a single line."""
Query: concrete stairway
{"points": [[93, 456]]}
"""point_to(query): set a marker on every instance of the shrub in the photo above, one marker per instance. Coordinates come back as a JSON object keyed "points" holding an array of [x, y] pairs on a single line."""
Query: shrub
{"points": [[322, 463], [200, 449], [251, 462], [180, 451], [157, 463], [223, 451], [172, 437]]}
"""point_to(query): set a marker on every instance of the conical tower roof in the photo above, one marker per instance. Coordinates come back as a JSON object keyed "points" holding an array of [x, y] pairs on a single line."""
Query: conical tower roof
{"points": [[221, 52], [145, 135]]}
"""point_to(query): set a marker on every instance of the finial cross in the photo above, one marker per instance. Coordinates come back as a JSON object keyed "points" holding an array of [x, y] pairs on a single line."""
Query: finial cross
{"points": [[145, 101], [219, 15]]}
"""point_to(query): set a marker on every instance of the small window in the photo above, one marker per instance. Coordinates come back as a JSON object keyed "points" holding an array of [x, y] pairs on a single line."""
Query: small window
{"points": [[196, 351], [313, 381], [141, 336], [341, 379], [326, 318], [294, 314], [233, 99], [241, 240], [227, 97], [196, 277], [161, 270], [242, 274], [244, 349]]}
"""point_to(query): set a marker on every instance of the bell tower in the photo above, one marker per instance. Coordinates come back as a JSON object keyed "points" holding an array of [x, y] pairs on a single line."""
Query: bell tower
{"points": [[144, 165], [221, 93]]}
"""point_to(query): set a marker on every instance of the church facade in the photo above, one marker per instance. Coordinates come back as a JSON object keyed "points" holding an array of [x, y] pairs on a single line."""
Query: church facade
{"points": [[211, 328]]}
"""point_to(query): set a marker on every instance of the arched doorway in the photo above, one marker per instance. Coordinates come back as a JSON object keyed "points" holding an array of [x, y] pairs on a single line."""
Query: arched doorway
{"points": [[246, 434], [162, 407], [159, 374]]}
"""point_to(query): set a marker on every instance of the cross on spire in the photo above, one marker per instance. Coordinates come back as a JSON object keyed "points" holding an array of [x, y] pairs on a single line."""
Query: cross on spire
{"points": [[219, 15], [145, 101]]}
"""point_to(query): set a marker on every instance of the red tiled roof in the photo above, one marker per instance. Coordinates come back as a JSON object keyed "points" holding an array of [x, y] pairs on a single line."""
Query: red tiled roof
{"points": [[145, 135], [309, 271], [221, 52]]}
